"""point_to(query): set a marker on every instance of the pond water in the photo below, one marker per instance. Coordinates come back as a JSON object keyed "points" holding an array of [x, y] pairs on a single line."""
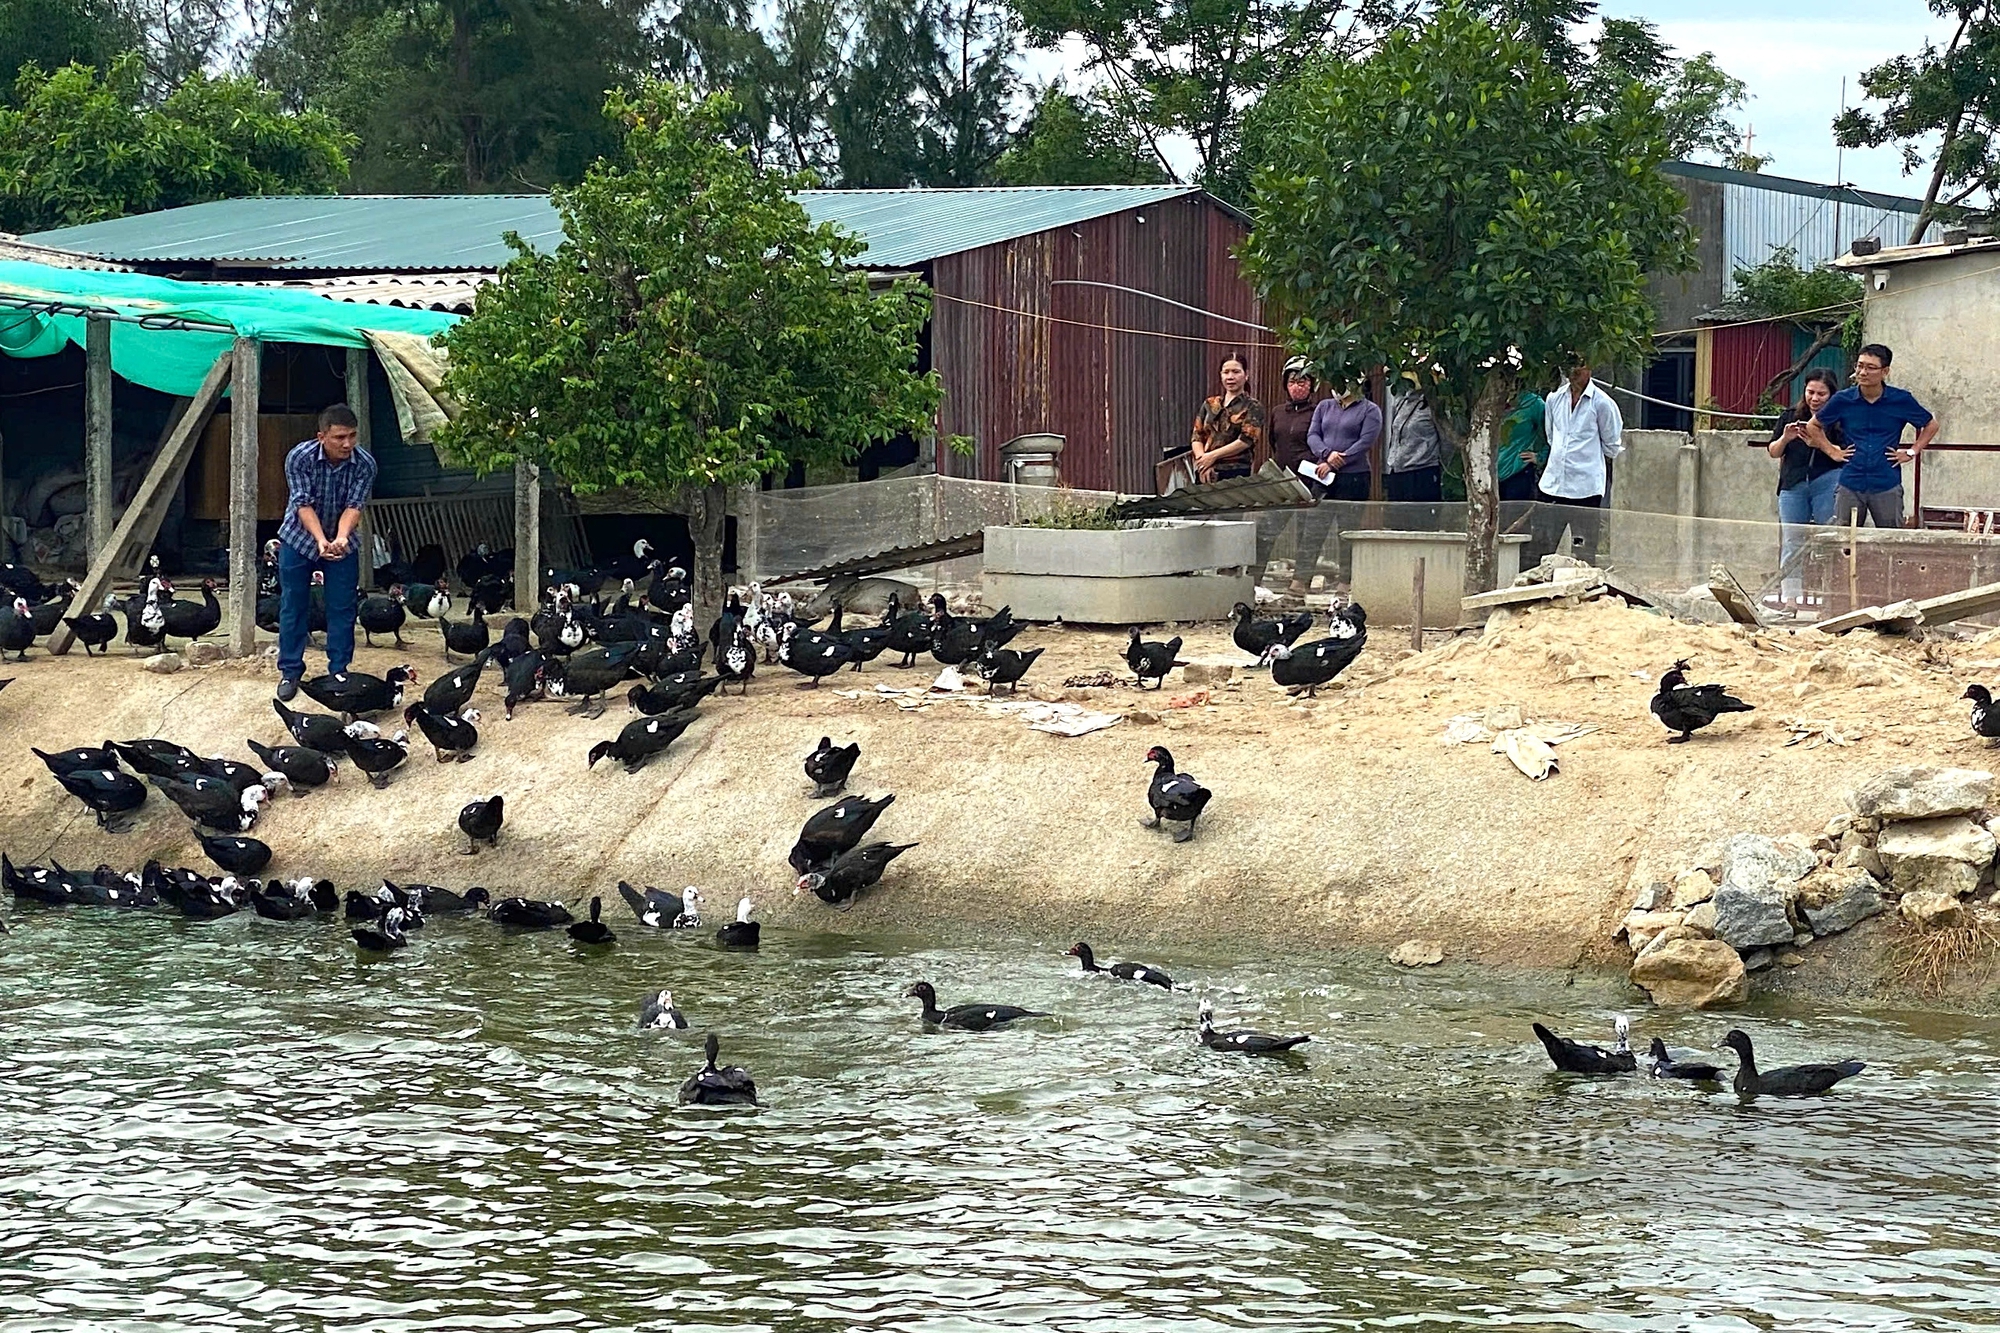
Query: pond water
{"points": [[245, 1125]]}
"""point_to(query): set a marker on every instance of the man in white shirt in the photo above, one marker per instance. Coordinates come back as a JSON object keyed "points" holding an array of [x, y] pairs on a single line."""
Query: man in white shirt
{"points": [[1584, 430]]}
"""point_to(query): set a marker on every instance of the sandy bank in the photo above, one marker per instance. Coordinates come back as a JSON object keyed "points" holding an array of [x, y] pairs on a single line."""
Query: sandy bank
{"points": [[1340, 822]]}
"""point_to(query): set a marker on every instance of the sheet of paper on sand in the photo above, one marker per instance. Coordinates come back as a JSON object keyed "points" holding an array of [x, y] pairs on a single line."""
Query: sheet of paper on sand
{"points": [[1058, 719], [1529, 747]]}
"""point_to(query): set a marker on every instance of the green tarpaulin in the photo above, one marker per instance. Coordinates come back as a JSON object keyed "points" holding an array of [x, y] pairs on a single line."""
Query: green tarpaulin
{"points": [[174, 360]]}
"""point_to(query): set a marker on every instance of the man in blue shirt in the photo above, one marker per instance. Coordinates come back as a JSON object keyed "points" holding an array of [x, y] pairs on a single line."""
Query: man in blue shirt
{"points": [[1873, 413], [330, 478]]}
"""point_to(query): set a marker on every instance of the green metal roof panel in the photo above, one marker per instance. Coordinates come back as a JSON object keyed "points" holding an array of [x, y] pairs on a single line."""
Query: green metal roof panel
{"points": [[906, 227], [440, 233], [384, 232]]}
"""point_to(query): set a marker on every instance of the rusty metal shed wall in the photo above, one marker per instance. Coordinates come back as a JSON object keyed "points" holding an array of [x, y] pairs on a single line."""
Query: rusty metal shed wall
{"points": [[1087, 362]]}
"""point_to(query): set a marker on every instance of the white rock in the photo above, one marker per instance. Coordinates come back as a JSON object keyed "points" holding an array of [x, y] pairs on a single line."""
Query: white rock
{"points": [[1927, 910], [1864, 858], [162, 664], [1696, 973], [1693, 887], [202, 653], [1641, 927], [1922, 793], [1418, 953], [1701, 919], [1942, 855]]}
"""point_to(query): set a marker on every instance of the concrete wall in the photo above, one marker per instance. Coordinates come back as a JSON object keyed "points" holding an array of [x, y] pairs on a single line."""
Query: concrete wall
{"points": [[1678, 299], [1713, 474], [1937, 316]]}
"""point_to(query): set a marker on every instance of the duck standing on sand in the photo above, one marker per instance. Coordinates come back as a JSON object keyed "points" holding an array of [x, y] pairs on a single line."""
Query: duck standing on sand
{"points": [[352, 693], [1152, 660], [1004, 666], [315, 731], [1243, 1041], [1307, 666], [1256, 637], [851, 872], [376, 756], [17, 631], [1792, 1081], [1688, 708], [642, 739], [451, 738], [828, 766], [480, 822], [1174, 796], [106, 792], [830, 831], [728, 1085], [1985, 717], [97, 629]]}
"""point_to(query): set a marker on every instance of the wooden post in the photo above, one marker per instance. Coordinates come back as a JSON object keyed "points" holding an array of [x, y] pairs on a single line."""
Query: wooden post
{"points": [[245, 383], [527, 535], [357, 398], [140, 523], [1853, 556], [97, 507], [1417, 606], [1704, 377]]}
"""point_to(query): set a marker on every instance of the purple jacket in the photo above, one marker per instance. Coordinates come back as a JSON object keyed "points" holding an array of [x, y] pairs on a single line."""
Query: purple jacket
{"points": [[1349, 431]]}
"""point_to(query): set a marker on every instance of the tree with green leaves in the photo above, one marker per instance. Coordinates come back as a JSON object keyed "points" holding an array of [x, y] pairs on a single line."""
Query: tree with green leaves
{"points": [[1941, 108], [1188, 69], [78, 147], [694, 331], [1821, 301], [1071, 140], [461, 95], [1453, 207], [49, 34]]}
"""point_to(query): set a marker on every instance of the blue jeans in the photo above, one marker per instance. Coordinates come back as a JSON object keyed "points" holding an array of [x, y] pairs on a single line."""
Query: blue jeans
{"points": [[295, 573], [1805, 504]]}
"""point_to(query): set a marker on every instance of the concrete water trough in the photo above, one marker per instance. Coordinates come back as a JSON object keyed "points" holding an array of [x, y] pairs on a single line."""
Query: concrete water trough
{"points": [[1140, 573]]}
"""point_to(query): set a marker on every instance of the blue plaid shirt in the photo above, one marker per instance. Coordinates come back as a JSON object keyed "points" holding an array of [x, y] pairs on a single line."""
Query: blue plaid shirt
{"points": [[329, 489]]}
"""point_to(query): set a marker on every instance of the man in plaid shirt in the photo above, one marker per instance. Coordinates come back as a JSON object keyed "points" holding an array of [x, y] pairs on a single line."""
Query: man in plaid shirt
{"points": [[331, 477]]}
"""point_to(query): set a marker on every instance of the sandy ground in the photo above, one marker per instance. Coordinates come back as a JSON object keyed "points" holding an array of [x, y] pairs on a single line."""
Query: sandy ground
{"points": [[1340, 821]]}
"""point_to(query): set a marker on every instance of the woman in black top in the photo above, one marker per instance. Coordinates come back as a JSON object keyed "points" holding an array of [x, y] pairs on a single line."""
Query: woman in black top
{"points": [[1807, 478]]}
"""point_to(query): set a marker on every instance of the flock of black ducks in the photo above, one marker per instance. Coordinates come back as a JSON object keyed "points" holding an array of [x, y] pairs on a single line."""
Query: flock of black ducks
{"points": [[1576, 1057], [577, 647]]}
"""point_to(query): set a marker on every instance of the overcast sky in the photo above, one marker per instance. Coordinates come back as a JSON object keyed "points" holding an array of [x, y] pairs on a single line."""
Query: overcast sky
{"points": [[1793, 57]]}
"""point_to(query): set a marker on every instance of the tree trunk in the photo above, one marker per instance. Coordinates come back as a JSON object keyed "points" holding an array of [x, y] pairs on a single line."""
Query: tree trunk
{"points": [[1482, 482], [707, 510]]}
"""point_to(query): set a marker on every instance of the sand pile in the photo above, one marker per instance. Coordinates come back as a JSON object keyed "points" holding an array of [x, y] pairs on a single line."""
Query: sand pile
{"points": [[1336, 821]]}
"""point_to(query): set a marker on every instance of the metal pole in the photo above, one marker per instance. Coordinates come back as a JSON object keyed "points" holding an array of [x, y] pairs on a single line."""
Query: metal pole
{"points": [[357, 398], [97, 508], [1417, 606], [244, 384]]}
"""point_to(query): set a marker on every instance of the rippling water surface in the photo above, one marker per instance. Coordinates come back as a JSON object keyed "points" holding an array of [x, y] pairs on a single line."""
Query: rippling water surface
{"points": [[244, 1125]]}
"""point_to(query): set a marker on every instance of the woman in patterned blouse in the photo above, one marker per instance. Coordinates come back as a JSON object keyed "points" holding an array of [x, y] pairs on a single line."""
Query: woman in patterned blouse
{"points": [[1229, 429]]}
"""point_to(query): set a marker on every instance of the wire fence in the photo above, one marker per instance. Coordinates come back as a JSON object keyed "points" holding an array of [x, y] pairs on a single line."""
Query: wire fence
{"points": [[1311, 551]]}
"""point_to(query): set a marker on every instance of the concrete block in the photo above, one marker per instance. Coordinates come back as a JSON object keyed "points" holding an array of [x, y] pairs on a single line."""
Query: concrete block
{"points": [[1383, 562]]}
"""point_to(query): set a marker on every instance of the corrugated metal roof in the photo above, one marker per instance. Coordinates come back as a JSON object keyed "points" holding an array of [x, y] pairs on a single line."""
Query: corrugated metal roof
{"points": [[910, 226], [1758, 180], [365, 233], [436, 233], [452, 292], [13, 247]]}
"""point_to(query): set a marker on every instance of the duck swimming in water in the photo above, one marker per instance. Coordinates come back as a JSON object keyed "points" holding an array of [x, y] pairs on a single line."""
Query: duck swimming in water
{"points": [[967, 1017], [662, 910], [593, 931], [657, 1012], [1145, 972], [742, 933], [1792, 1081], [1661, 1064], [528, 914], [1574, 1057], [729, 1085], [1243, 1040], [384, 936]]}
